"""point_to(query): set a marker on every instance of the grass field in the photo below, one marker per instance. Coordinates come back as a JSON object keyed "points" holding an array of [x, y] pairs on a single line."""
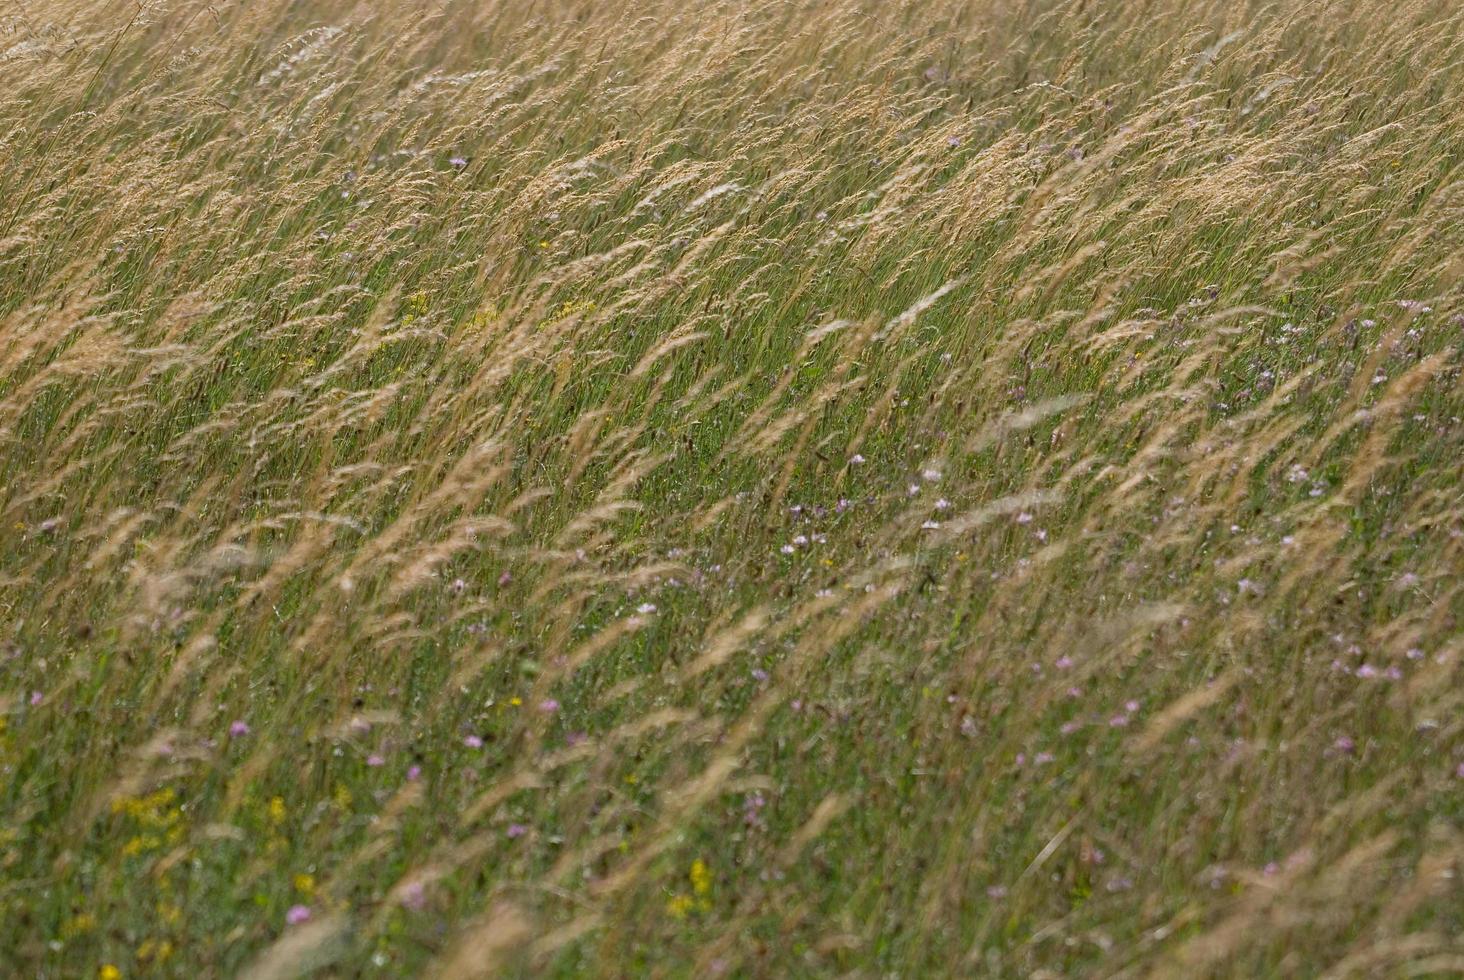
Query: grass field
{"points": [[775, 488]]}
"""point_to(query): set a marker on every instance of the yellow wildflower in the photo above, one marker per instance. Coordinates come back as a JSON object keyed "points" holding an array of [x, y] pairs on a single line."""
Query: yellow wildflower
{"points": [[701, 877], [109, 972], [140, 844], [305, 885], [483, 317], [679, 906], [80, 923], [415, 306], [153, 950], [277, 809]]}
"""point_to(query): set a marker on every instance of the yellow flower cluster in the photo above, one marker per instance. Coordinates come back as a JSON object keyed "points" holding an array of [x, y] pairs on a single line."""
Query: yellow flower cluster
{"points": [[145, 809], [483, 317], [153, 950], [701, 877], [567, 309], [79, 924], [275, 812], [160, 820], [680, 905], [415, 307]]}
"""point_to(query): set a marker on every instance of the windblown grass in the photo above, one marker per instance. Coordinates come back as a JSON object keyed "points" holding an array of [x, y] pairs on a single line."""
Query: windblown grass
{"points": [[769, 489]]}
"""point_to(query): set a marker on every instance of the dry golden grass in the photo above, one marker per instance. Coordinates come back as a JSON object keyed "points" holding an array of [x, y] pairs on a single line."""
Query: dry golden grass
{"points": [[750, 489]]}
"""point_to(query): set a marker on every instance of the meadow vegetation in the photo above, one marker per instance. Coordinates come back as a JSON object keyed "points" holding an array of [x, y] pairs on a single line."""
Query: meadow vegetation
{"points": [[731, 487]]}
